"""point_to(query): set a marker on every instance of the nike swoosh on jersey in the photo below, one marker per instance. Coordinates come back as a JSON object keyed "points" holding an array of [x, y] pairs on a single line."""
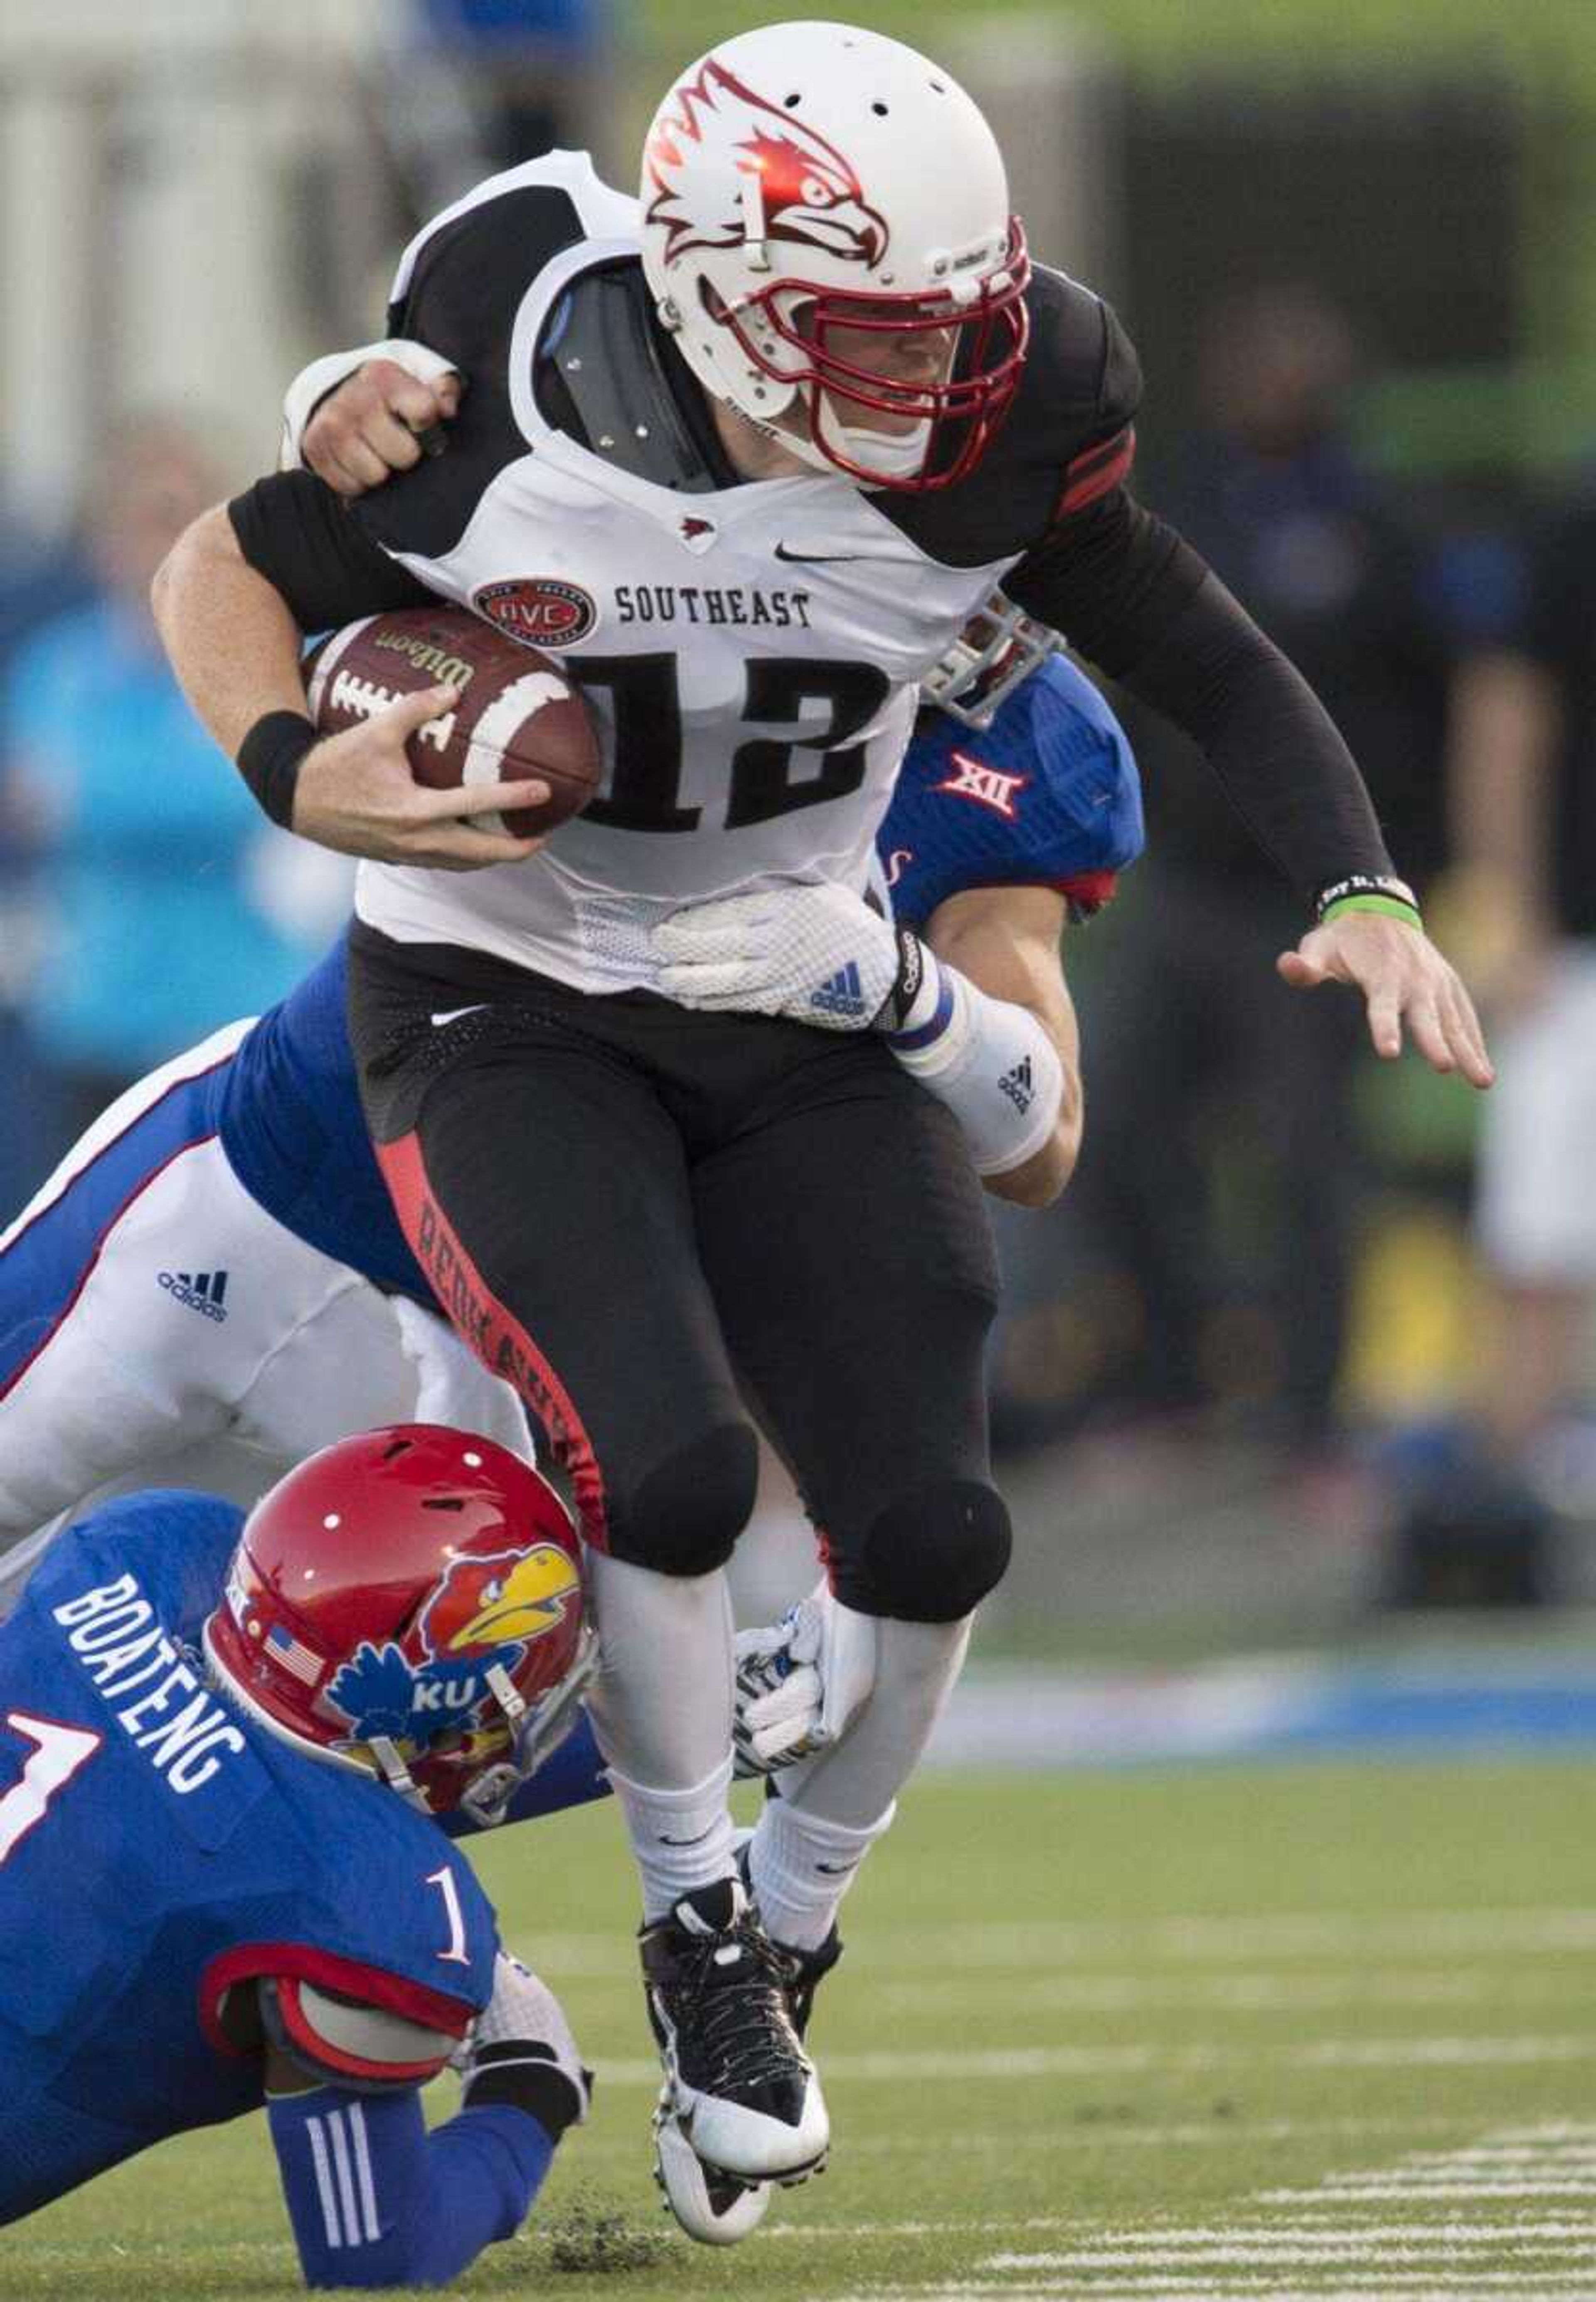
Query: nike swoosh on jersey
{"points": [[453, 1014], [819, 559]]}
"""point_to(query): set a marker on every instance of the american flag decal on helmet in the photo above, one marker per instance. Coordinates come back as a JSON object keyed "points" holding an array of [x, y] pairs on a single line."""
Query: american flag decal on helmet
{"points": [[287, 1649]]}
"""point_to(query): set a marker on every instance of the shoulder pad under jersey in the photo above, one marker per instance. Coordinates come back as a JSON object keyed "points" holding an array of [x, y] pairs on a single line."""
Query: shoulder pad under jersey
{"points": [[460, 290], [487, 249]]}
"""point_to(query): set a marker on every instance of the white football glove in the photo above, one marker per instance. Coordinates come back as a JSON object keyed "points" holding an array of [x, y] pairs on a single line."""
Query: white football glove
{"points": [[821, 955], [799, 1683], [518, 2039], [818, 954]]}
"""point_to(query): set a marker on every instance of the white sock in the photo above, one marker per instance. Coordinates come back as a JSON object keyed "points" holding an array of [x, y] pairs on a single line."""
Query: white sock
{"points": [[811, 1840], [681, 1839], [800, 1867], [661, 1708]]}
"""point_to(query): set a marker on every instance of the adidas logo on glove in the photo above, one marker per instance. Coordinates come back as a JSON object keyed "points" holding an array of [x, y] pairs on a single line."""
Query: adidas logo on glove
{"points": [[204, 1291], [1016, 1085], [842, 994]]}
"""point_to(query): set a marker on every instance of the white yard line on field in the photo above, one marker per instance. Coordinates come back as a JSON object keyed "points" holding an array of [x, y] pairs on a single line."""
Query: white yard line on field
{"points": [[1102, 2062], [1553, 2235], [1433, 2193], [1430, 1935], [1268, 2255], [1354, 2053], [1089, 2134], [1467, 2177], [1179, 2240], [980, 2227], [1414, 2285], [1233, 1994], [1505, 2155], [1478, 2166], [1333, 2234], [1095, 2133]]}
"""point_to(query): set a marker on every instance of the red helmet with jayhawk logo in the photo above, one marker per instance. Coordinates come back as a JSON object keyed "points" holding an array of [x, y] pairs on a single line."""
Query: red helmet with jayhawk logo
{"points": [[408, 1602], [811, 179]]}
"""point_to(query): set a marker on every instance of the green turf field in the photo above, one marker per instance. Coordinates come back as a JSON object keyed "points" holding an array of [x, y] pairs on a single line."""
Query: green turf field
{"points": [[1284, 2031]]}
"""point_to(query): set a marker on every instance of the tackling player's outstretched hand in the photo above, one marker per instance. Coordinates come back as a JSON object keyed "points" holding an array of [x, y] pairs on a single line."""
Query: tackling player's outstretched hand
{"points": [[1404, 981], [379, 421], [799, 1683], [356, 793], [520, 2050], [818, 952]]}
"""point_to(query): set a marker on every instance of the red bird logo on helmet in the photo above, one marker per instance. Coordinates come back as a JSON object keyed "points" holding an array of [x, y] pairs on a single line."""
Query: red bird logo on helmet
{"points": [[719, 131]]}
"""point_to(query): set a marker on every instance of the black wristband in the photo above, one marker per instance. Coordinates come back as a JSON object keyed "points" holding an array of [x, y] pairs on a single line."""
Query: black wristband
{"points": [[269, 761], [1364, 883], [911, 972], [526, 2075]]}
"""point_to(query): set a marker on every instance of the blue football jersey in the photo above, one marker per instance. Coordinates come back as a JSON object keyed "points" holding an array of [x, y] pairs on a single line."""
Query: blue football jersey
{"points": [[158, 1848], [48, 1256], [290, 1123], [1047, 796]]}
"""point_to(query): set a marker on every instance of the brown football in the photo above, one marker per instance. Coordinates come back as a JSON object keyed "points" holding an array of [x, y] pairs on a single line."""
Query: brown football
{"points": [[517, 715]]}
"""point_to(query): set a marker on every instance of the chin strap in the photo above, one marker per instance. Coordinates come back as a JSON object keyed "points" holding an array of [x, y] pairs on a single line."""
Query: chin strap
{"points": [[756, 253], [398, 1776], [886, 455], [536, 1731]]}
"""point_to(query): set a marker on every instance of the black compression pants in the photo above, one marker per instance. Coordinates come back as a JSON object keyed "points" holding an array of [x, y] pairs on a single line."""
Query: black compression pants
{"points": [[618, 1203]]}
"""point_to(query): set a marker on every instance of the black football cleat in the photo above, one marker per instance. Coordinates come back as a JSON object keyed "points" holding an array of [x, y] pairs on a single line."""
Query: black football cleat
{"points": [[806, 1971], [806, 1968], [742, 2093], [716, 2209]]}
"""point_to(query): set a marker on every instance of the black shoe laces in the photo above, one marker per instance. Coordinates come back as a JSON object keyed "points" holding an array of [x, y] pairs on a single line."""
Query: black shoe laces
{"points": [[732, 2021]]}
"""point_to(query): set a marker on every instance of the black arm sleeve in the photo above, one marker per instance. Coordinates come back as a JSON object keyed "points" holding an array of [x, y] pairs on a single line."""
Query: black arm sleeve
{"points": [[1556, 620], [1137, 601], [294, 531]]}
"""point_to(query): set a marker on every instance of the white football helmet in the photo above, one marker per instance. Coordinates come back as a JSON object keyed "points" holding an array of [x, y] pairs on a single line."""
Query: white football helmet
{"points": [[809, 177]]}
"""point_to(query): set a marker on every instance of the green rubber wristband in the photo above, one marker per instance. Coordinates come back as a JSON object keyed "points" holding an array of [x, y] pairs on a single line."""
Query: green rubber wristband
{"points": [[1390, 907]]}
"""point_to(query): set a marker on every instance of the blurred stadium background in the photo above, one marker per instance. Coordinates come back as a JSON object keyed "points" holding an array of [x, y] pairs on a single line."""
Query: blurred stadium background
{"points": [[1258, 1387], [1301, 1468]]}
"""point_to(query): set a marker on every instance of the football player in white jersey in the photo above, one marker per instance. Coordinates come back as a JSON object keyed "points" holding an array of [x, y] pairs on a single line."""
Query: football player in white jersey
{"points": [[212, 1283], [744, 458]]}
